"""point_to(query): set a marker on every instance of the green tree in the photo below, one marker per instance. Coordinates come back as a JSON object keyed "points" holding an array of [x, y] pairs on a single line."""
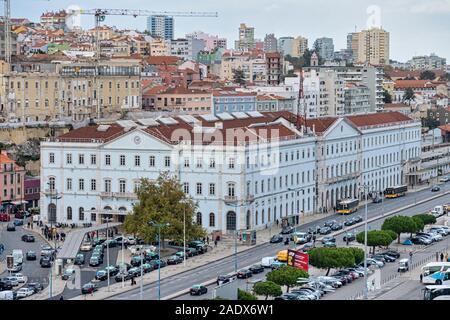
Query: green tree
{"points": [[376, 238], [426, 218], [286, 276], [418, 225], [239, 76], [399, 225], [244, 295], [409, 95], [327, 258], [163, 201], [267, 288], [387, 98], [427, 75]]}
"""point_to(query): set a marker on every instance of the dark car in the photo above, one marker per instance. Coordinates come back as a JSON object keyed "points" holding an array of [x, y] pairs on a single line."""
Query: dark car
{"points": [[111, 243], [435, 189], [329, 223], [358, 219], [288, 296], [30, 255], [392, 253], [28, 238], [276, 238], [123, 276], [158, 262], [95, 261], [224, 279], [314, 230], [174, 260], [136, 261], [379, 257], [337, 226], [79, 259], [307, 246], [149, 256], [257, 268], [287, 230], [35, 286], [387, 257], [190, 252], [349, 222], [98, 241], [244, 274], [45, 262], [325, 230], [11, 227], [5, 285], [198, 290], [349, 236], [89, 288], [199, 246], [377, 200], [328, 239]]}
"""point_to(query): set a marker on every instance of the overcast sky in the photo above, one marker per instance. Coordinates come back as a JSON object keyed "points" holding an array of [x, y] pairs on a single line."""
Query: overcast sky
{"points": [[416, 26]]}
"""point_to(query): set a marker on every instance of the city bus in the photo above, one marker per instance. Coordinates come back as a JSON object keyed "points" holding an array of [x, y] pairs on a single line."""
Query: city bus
{"points": [[436, 273], [347, 206], [432, 292], [395, 192]]}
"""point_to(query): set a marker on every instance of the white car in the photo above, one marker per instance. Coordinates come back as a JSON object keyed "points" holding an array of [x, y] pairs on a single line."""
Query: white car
{"points": [[20, 278], [379, 264], [24, 292], [131, 240], [136, 249], [14, 281], [441, 231], [444, 179], [86, 247], [436, 237]]}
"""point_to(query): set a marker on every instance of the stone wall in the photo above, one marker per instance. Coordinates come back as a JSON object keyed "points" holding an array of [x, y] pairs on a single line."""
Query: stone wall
{"points": [[20, 135]]}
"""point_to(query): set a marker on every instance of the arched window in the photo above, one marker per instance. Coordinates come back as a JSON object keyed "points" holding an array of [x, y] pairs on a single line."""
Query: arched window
{"points": [[52, 212], [256, 217], [69, 213], [262, 216], [93, 215], [199, 218], [51, 183], [212, 220], [81, 214]]}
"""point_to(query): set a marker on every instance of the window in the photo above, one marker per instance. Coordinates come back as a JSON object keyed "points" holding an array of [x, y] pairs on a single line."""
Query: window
{"points": [[107, 160], [231, 189], [93, 159], [212, 220], [122, 160], [199, 218], [81, 159], [51, 157], [231, 163], [137, 186], [212, 162], [186, 162], [81, 184], [122, 186], [167, 161], [107, 185], [137, 161], [51, 183], [93, 215], [93, 185], [199, 188], [69, 158], [199, 163], [151, 161], [186, 187], [69, 184], [69, 213], [212, 189], [81, 214]]}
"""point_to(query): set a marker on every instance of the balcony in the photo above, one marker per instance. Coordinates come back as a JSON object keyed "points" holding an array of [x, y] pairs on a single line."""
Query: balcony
{"points": [[230, 199], [50, 192], [345, 177], [118, 195], [244, 200]]}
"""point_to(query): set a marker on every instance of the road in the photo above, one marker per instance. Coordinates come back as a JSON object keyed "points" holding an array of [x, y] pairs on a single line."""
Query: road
{"points": [[12, 240], [184, 280]]}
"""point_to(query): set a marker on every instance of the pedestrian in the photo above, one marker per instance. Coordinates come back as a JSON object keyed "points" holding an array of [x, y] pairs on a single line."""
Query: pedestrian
{"points": [[421, 278], [346, 240], [61, 298], [277, 222], [215, 243], [207, 239], [446, 257], [442, 257]]}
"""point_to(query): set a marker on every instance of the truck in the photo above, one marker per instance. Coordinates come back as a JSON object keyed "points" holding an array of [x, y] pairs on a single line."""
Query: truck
{"points": [[439, 211], [18, 256]]}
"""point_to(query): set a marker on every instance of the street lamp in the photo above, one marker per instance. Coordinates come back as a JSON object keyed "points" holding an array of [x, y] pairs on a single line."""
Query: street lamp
{"points": [[56, 197], [184, 202], [107, 220], [159, 226], [366, 189]]}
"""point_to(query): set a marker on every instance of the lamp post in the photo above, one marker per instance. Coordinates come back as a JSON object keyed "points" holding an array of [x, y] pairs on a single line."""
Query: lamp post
{"points": [[365, 242], [107, 220], [159, 226], [184, 202], [52, 188]]}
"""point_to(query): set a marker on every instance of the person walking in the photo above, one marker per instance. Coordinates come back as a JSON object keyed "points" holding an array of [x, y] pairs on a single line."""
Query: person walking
{"points": [[446, 257], [215, 243], [442, 257], [61, 298]]}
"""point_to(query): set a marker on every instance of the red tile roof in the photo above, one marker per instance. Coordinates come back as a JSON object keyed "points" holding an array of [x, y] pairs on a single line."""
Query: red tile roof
{"points": [[154, 90], [163, 60], [402, 84], [374, 119], [396, 105]]}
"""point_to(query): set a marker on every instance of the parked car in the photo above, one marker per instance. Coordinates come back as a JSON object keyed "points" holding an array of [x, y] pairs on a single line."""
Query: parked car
{"points": [[191, 252], [94, 261], [277, 238], [13, 280], [420, 240], [89, 288], [174, 260], [30, 255], [5, 285], [147, 267], [392, 253], [111, 243], [379, 257], [329, 223], [157, 262], [444, 179], [67, 274], [373, 262], [11, 227], [199, 246], [198, 290], [349, 236], [244, 274], [24, 292], [257, 268], [101, 275], [79, 259], [20, 277], [224, 279], [386, 257], [337, 226], [181, 254], [325, 230], [86, 246], [277, 264], [291, 296], [301, 237], [314, 230], [328, 239], [45, 262], [35, 286], [28, 238], [123, 276], [98, 241], [136, 261], [287, 230]]}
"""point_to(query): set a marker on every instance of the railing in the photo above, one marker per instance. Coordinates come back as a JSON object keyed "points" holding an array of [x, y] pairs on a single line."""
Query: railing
{"points": [[344, 177], [119, 195]]}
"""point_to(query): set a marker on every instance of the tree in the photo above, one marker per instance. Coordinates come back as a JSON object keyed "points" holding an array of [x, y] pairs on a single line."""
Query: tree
{"points": [[426, 218], [387, 98], [267, 288], [286, 276], [418, 225], [244, 295], [427, 75], [327, 258], [409, 95], [239, 76], [376, 238], [399, 225], [163, 201]]}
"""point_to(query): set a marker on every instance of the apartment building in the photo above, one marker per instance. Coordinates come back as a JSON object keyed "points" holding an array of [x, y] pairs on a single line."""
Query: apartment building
{"points": [[356, 99], [274, 63], [183, 100], [430, 62], [12, 179], [299, 46], [233, 101], [246, 38], [371, 46], [271, 102], [324, 47]]}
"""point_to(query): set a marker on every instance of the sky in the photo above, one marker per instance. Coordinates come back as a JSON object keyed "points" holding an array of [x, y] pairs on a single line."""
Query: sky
{"points": [[416, 27]]}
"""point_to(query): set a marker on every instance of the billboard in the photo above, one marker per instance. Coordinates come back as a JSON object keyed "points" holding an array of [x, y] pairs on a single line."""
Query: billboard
{"points": [[298, 259]]}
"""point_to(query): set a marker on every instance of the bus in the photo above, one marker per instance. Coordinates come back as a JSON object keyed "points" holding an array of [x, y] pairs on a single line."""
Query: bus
{"points": [[436, 273], [432, 292], [347, 206], [395, 192]]}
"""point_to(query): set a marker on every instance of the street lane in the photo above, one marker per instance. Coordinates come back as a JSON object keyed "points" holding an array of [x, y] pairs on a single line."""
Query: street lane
{"points": [[210, 271]]}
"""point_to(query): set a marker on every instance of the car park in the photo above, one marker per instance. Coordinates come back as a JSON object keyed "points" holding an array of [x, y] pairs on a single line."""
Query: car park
{"points": [[198, 290], [257, 268], [277, 238], [11, 227], [174, 259], [30, 255], [24, 292], [244, 274], [28, 238], [349, 236], [89, 288]]}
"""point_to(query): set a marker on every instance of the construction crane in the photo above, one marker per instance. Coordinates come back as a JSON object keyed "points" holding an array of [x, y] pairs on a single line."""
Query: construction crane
{"points": [[100, 16]]}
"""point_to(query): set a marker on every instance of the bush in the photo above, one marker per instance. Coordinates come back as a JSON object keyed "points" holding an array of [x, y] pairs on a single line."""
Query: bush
{"points": [[244, 295], [286, 276], [267, 288]]}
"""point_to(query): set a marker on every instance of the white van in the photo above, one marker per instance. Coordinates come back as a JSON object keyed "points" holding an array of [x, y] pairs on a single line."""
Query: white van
{"points": [[18, 256], [6, 295], [266, 262]]}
